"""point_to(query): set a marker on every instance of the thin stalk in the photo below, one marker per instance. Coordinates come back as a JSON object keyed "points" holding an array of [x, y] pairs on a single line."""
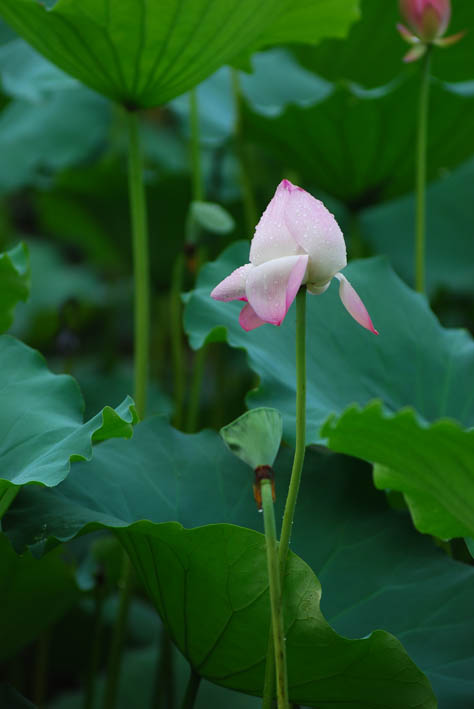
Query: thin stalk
{"points": [[275, 595], [196, 386], [118, 636], [196, 169], [298, 459], [420, 224], [7, 495], [140, 264], [198, 195], [141, 280], [191, 690], [177, 346], [250, 208], [94, 658], [41, 668], [164, 691]]}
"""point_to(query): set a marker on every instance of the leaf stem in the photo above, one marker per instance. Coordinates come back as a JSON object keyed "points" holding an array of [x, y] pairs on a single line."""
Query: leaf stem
{"points": [[177, 345], [298, 459], [420, 223], [196, 169], [96, 645], [250, 208], [275, 595], [191, 690], [118, 636], [140, 263], [196, 386]]}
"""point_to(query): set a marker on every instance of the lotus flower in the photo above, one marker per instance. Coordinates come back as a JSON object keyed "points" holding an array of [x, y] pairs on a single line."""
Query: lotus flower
{"points": [[428, 20], [297, 242]]}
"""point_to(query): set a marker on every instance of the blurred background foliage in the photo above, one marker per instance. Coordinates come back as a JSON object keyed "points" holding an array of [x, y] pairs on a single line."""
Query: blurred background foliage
{"points": [[337, 118]]}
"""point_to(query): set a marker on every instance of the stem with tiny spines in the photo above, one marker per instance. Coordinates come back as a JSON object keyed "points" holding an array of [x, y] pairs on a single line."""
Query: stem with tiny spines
{"points": [[278, 644], [420, 222]]}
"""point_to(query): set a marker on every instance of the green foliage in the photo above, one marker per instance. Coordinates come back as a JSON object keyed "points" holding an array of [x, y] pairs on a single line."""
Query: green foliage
{"points": [[255, 436], [41, 419], [398, 366], [35, 593], [14, 282], [323, 141], [432, 387], [438, 486], [389, 229], [148, 59], [372, 53], [374, 569]]}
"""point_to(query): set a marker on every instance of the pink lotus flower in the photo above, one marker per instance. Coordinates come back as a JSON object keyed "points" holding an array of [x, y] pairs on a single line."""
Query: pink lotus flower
{"points": [[428, 20], [297, 241]]}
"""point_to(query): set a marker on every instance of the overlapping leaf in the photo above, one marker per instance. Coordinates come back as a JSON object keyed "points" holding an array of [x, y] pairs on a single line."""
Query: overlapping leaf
{"points": [[323, 141], [389, 228], [413, 363], [144, 55], [372, 54], [41, 419], [14, 282], [375, 570]]}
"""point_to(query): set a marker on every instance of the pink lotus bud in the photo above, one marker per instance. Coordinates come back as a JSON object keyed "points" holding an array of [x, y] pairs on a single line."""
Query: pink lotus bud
{"points": [[297, 241], [428, 19]]}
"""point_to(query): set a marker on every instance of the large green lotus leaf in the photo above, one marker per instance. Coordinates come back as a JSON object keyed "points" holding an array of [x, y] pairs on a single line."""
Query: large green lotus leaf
{"points": [[372, 53], [276, 81], [376, 570], [27, 75], [432, 465], [389, 228], [35, 593], [41, 419], [144, 54], [62, 129], [14, 282], [322, 142], [413, 362]]}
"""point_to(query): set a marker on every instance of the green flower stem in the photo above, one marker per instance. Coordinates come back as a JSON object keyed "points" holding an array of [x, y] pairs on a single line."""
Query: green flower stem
{"points": [[191, 690], [300, 429], [420, 224], [140, 263], [177, 347], [250, 208], [198, 187], [7, 495], [275, 595], [196, 386], [96, 646], [198, 196], [118, 636], [141, 359], [41, 668]]}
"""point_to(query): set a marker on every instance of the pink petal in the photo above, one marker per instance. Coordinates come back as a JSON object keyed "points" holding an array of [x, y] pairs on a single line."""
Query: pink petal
{"points": [[353, 304], [249, 319], [272, 287], [415, 53], [407, 35], [316, 231], [233, 287], [272, 239]]}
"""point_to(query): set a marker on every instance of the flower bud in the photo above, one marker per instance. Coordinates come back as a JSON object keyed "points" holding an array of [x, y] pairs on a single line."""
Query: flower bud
{"points": [[428, 19]]}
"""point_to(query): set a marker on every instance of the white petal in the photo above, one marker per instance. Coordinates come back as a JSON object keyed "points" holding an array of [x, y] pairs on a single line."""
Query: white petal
{"points": [[314, 228], [272, 238], [233, 287], [272, 287]]}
